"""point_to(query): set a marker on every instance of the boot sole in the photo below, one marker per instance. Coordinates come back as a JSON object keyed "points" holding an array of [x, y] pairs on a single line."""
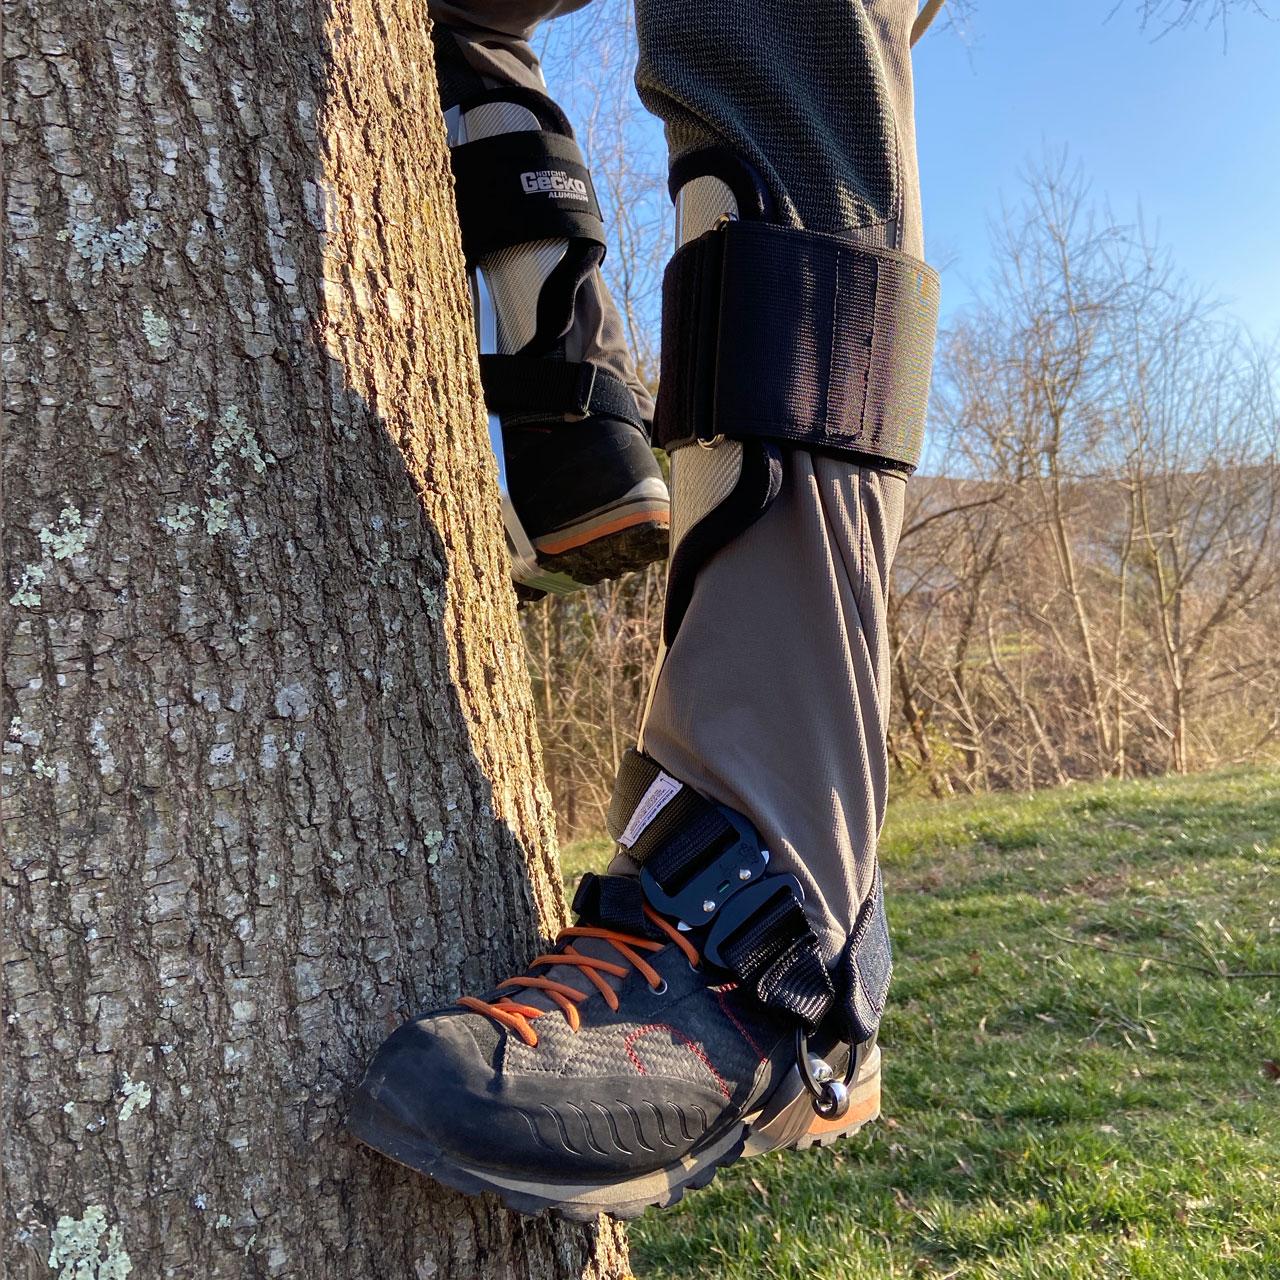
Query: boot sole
{"points": [[623, 538], [786, 1122]]}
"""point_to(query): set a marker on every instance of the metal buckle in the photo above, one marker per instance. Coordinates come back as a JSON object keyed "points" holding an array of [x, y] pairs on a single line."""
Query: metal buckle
{"points": [[586, 388], [694, 903], [742, 906]]}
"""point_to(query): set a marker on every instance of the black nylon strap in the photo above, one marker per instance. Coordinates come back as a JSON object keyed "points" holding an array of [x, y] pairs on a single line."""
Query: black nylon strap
{"points": [[800, 336], [614, 902], [530, 384], [694, 844], [775, 954], [517, 187], [636, 774], [754, 925]]}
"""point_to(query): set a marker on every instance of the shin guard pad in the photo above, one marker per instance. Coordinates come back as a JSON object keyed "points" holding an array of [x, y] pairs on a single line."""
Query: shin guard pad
{"points": [[716, 493], [532, 228]]}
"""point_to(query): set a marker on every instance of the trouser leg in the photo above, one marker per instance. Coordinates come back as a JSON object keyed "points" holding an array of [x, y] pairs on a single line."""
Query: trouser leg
{"points": [[773, 695]]}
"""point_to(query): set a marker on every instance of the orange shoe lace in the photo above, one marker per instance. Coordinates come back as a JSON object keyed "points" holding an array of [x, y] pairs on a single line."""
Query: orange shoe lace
{"points": [[517, 1017]]}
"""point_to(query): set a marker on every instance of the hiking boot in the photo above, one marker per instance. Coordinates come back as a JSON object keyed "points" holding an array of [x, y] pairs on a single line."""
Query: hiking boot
{"points": [[622, 1070], [590, 496]]}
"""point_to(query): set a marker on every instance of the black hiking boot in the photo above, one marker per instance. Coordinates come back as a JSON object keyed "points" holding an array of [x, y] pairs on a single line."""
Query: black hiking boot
{"points": [[610, 1104], [590, 496], [686, 1020]]}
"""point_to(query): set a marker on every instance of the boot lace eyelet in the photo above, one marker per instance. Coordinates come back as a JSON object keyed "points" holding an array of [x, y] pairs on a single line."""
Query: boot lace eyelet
{"points": [[661, 989]]}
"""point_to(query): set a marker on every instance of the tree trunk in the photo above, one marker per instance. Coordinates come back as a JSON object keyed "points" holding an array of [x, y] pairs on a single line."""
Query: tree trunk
{"points": [[270, 768]]}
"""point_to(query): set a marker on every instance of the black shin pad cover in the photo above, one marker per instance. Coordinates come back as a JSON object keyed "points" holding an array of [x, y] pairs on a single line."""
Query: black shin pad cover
{"points": [[800, 337]]}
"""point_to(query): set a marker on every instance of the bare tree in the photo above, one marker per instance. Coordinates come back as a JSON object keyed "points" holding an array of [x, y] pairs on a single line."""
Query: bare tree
{"points": [[1107, 523], [269, 771]]}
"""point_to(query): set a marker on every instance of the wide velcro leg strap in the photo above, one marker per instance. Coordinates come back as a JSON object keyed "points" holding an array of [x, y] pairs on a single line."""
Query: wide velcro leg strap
{"points": [[514, 188], [797, 336]]}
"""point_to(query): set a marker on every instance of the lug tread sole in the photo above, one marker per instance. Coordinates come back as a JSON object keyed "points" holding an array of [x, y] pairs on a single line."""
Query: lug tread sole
{"points": [[412, 1152], [631, 543]]}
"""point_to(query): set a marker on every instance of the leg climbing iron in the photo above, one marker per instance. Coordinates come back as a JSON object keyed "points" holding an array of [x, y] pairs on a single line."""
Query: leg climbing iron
{"points": [[721, 992], [582, 494]]}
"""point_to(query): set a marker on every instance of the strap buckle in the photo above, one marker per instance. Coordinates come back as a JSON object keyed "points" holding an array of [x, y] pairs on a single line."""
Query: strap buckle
{"points": [[722, 881], [585, 388], [744, 907]]}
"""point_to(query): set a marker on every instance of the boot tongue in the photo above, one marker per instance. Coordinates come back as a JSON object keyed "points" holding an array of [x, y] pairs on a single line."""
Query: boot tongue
{"points": [[597, 948]]}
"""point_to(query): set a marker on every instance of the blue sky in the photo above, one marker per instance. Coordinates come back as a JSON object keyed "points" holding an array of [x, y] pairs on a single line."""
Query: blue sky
{"points": [[1179, 126]]}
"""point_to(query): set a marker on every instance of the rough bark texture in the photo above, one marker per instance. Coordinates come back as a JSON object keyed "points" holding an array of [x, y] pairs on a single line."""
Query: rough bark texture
{"points": [[270, 779]]}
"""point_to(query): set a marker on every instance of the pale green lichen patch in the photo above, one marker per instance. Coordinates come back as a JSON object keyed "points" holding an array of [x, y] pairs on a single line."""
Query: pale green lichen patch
{"points": [[68, 538], [181, 520], [191, 30], [234, 434], [155, 328], [430, 599], [122, 246], [43, 769], [233, 437], [215, 515], [28, 593], [137, 1097], [78, 1250]]}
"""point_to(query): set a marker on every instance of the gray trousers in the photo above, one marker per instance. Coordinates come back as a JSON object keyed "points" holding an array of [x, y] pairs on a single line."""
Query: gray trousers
{"points": [[773, 697]]}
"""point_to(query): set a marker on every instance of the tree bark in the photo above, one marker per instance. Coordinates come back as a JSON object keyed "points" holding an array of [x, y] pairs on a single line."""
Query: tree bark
{"points": [[270, 774]]}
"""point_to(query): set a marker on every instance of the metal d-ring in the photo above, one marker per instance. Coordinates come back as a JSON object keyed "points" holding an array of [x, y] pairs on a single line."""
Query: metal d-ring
{"points": [[830, 1096]]}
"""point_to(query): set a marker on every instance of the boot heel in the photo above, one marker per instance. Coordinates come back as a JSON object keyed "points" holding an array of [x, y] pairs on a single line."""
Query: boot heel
{"points": [[789, 1122], [864, 1106]]}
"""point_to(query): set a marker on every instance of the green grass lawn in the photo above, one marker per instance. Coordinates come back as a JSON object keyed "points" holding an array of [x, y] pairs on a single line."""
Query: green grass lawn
{"points": [[1051, 1109]]}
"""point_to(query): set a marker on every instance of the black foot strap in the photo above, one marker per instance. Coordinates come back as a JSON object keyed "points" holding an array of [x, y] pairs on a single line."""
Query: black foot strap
{"points": [[702, 864], [543, 388]]}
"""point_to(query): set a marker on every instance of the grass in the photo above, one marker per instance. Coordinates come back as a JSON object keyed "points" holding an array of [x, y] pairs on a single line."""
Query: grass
{"points": [[1053, 1111]]}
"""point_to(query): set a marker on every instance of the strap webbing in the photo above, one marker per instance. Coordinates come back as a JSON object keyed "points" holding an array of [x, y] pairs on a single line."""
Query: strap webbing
{"points": [[530, 385], [616, 902], [799, 336], [517, 187], [691, 853], [776, 955]]}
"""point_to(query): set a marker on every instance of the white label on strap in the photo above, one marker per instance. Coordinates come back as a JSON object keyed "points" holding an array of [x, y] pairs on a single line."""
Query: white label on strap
{"points": [[662, 790]]}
